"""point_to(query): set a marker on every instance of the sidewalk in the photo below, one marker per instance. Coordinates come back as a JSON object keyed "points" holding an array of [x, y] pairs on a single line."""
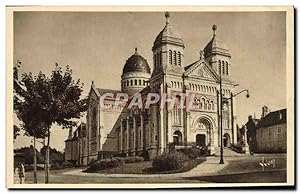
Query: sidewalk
{"points": [[209, 167]]}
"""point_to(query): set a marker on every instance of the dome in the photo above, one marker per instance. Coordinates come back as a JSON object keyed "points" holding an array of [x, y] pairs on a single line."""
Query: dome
{"points": [[168, 35], [216, 46], [136, 63]]}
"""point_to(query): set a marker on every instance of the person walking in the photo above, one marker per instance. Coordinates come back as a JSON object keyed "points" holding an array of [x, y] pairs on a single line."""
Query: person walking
{"points": [[22, 173]]}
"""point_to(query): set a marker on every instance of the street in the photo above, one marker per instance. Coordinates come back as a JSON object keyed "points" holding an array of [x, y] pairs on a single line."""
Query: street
{"points": [[244, 169]]}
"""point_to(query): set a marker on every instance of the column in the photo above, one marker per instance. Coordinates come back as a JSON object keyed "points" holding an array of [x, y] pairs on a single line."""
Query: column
{"points": [[134, 136], [121, 136], [169, 135], [127, 136], [187, 117], [161, 125], [233, 122], [142, 145]]}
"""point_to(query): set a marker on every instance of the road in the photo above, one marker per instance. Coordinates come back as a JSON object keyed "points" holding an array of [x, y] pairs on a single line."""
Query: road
{"points": [[244, 169]]}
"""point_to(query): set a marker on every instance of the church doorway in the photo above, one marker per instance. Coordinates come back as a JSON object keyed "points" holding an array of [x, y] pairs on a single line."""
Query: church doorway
{"points": [[200, 140], [177, 138], [226, 140]]}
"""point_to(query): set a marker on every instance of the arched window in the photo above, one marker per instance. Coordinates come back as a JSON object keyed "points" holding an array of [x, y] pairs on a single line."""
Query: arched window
{"points": [[177, 138], [204, 104], [223, 68], [174, 58], [201, 88], [170, 57], [179, 58], [176, 111], [140, 82], [144, 82], [226, 68], [172, 84], [127, 82], [131, 82], [160, 57], [135, 82], [219, 65]]}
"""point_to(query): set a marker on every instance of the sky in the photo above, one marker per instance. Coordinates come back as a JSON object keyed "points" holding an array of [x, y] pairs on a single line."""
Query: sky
{"points": [[97, 44]]}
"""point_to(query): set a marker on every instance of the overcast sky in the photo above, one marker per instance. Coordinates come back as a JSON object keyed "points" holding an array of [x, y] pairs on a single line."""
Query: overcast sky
{"points": [[96, 46]]}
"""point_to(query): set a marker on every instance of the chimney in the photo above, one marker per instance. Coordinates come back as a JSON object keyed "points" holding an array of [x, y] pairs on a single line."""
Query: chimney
{"points": [[249, 117], [265, 111]]}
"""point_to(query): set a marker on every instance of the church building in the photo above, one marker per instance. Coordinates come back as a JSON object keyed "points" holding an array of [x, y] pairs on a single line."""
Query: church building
{"points": [[123, 131]]}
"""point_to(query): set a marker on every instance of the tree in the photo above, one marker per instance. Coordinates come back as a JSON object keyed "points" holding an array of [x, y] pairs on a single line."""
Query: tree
{"points": [[55, 155], [41, 101], [27, 102], [16, 131]]}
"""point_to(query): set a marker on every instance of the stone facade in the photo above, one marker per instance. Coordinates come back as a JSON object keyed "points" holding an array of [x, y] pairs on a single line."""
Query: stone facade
{"points": [[149, 132]]}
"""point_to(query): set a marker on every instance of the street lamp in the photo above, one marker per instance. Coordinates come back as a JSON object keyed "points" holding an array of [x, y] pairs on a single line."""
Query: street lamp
{"points": [[222, 101], [225, 100]]}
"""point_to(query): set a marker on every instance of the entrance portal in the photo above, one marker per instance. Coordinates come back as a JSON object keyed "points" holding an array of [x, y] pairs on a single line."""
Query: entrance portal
{"points": [[226, 140], [200, 140], [177, 138]]}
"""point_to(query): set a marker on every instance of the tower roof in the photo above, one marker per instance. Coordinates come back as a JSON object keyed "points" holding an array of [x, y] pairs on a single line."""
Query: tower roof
{"points": [[216, 45], [136, 63], [168, 35]]}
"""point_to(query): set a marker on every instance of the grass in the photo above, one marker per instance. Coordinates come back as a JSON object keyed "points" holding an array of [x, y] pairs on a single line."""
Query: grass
{"points": [[128, 168], [187, 166]]}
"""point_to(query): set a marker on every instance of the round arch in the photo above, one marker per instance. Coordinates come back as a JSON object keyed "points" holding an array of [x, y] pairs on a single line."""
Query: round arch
{"points": [[177, 138], [205, 118], [226, 140]]}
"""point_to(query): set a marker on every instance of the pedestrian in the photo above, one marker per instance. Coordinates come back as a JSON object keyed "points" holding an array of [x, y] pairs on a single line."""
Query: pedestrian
{"points": [[22, 173], [17, 175]]}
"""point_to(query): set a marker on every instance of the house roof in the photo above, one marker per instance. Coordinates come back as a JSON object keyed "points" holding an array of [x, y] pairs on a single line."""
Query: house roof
{"points": [[103, 91], [273, 118]]}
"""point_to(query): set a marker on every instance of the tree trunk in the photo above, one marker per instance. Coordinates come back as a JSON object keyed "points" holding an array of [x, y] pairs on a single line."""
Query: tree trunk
{"points": [[34, 162], [47, 158]]}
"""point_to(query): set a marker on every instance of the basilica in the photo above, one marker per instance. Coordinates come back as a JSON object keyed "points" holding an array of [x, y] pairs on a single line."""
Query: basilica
{"points": [[123, 131]]}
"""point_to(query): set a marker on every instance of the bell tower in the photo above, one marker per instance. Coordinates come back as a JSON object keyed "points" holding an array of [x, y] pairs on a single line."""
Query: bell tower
{"points": [[168, 50], [217, 54]]}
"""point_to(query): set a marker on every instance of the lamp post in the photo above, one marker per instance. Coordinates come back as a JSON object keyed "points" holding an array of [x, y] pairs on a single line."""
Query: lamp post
{"points": [[222, 101]]}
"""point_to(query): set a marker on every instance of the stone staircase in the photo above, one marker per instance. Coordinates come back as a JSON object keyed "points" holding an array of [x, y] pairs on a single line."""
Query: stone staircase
{"points": [[227, 152]]}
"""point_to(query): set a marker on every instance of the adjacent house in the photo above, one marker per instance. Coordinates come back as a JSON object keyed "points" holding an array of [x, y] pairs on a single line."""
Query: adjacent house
{"points": [[271, 132], [75, 145]]}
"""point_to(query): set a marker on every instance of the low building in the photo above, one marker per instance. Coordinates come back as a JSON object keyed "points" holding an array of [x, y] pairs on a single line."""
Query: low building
{"points": [[271, 132], [75, 145]]}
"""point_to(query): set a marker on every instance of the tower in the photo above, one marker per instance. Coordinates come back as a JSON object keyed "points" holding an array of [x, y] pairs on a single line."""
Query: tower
{"points": [[136, 74], [168, 50], [218, 55]]}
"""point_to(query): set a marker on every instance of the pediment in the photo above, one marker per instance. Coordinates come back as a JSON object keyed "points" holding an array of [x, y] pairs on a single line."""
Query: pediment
{"points": [[200, 70]]}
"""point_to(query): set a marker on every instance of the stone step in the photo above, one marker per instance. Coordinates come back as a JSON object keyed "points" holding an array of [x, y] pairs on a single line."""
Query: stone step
{"points": [[227, 152]]}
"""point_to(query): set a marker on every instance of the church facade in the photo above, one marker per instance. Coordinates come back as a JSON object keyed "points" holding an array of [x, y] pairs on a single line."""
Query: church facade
{"points": [[119, 130]]}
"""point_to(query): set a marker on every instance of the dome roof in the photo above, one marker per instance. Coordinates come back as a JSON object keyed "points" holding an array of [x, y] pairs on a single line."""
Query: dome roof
{"points": [[216, 46], [168, 35], [136, 63]]}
